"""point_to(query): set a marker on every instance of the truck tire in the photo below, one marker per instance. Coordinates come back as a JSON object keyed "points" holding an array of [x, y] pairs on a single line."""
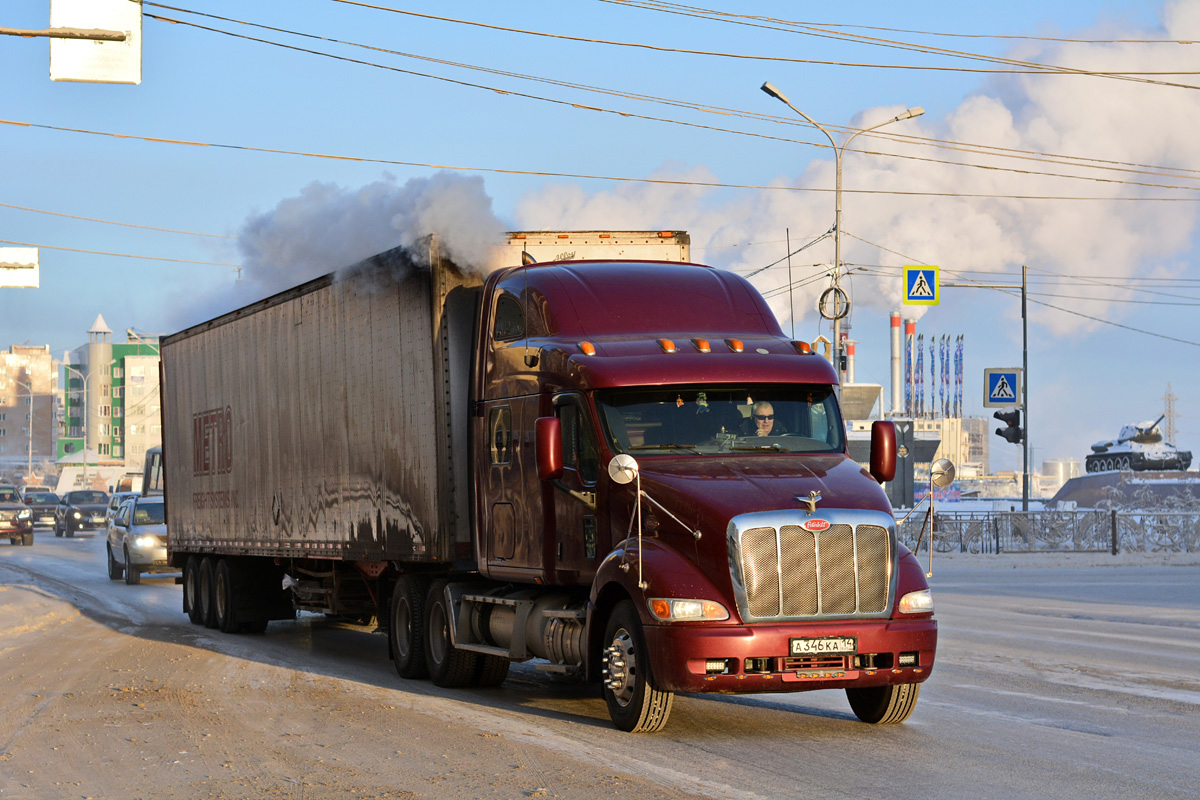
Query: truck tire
{"points": [[491, 671], [133, 575], [58, 531], [191, 590], [634, 704], [884, 705], [207, 595], [28, 540], [406, 626], [448, 666], [224, 598]]}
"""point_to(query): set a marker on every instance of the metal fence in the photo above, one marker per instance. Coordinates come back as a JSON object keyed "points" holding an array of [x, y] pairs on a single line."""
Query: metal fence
{"points": [[1054, 531]]}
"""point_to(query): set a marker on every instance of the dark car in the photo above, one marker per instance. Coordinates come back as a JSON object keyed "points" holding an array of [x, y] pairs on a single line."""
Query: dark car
{"points": [[42, 504], [80, 511], [16, 520]]}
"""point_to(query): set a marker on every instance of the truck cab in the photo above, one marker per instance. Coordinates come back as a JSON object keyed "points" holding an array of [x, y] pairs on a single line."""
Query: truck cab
{"points": [[750, 554]]}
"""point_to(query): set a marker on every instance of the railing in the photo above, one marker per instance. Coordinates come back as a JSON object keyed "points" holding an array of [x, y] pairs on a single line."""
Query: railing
{"points": [[1055, 531]]}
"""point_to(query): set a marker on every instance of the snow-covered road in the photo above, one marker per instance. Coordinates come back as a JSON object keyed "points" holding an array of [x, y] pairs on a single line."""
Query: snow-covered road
{"points": [[1058, 676]]}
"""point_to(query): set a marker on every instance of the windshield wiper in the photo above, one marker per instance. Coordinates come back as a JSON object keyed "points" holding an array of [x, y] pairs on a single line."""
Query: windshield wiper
{"points": [[776, 447], [691, 447]]}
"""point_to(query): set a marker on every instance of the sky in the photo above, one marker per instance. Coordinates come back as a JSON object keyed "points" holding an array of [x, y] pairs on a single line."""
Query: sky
{"points": [[270, 142]]}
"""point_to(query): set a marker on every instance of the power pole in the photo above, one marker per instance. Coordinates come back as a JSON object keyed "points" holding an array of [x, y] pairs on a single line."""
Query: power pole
{"points": [[1169, 410]]}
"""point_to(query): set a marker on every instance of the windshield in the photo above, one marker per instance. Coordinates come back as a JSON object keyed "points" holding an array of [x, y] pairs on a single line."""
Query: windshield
{"points": [[148, 514], [85, 498], [756, 418], [41, 497], [7, 496]]}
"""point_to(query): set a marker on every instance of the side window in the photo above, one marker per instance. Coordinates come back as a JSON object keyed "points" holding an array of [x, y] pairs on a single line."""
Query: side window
{"points": [[510, 319], [500, 435], [580, 451]]}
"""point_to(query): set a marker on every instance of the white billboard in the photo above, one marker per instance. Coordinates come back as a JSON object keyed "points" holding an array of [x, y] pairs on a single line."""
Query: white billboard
{"points": [[19, 268], [95, 61]]}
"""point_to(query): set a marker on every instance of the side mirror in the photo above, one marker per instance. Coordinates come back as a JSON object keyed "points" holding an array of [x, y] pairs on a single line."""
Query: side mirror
{"points": [[941, 473], [883, 450], [548, 443]]}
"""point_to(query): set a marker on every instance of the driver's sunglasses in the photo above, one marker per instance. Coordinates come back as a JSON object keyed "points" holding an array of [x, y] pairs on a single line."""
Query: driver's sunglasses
{"points": [[764, 417]]}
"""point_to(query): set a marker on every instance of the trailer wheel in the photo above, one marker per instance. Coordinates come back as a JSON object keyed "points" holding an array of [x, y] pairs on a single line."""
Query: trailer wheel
{"points": [[884, 705], [208, 595], [634, 704], [491, 671], [406, 626], [223, 598], [448, 666], [133, 575], [191, 590]]}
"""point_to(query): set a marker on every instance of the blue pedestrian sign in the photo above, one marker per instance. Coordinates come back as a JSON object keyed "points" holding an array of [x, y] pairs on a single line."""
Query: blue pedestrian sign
{"points": [[921, 285], [1002, 387]]}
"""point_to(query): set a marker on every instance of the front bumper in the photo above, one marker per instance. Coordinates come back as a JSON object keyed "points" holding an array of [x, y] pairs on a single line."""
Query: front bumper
{"points": [[681, 656], [150, 559]]}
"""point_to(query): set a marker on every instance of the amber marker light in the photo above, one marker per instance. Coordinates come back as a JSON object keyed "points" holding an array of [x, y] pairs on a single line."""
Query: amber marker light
{"points": [[701, 345], [587, 348], [735, 345], [667, 345], [803, 348]]}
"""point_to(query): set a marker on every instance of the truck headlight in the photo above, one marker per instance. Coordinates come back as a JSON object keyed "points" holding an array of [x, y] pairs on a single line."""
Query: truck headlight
{"points": [[24, 513], [670, 609], [144, 541], [917, 602], [77, 515]]}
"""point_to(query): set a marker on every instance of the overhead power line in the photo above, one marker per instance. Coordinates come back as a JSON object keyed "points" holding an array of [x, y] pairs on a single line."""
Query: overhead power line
{"points": [[1091, 164], [122, 255], [678, 8], [586, 176], [1023, 66], [113, 222]]}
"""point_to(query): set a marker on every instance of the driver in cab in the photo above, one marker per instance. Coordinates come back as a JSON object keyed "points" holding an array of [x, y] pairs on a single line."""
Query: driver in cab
{"points": [[762, 421]]}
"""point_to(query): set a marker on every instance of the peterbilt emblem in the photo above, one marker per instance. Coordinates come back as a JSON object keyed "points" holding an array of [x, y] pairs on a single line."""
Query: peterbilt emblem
{"points": [[815, 525], [810, 501]]}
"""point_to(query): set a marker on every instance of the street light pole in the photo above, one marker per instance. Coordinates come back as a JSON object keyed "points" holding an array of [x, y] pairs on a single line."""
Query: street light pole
{"points": [[838, 151], [29, 465], [85, 416]]}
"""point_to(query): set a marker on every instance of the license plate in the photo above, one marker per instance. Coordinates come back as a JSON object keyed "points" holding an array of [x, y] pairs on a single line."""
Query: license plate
{"points": [[826, 645]]}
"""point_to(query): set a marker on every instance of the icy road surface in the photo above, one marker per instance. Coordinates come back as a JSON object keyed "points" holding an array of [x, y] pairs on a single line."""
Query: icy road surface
{"points": [[1057, 677]]}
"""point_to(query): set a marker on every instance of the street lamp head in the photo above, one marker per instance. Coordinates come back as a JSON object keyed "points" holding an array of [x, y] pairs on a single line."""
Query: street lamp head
{"points": [[915, 111], [770, 89]]}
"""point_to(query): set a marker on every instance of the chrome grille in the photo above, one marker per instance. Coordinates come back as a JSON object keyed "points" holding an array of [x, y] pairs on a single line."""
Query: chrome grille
{"points": [[784, 571]]}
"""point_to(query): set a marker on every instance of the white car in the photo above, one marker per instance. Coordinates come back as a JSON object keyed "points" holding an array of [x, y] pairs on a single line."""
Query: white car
{"points": [[137, 540]]}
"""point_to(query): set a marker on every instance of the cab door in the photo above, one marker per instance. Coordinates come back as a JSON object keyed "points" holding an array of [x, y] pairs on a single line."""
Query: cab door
{"points": [[573, 548]]}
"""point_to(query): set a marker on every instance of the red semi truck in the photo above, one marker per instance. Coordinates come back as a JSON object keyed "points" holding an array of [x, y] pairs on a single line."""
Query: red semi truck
{"points": [[623, 469]]}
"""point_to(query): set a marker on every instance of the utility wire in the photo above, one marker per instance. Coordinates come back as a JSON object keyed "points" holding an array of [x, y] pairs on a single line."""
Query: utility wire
{"points": [[583, 176], [734, 17], [1028, 66], [113, 222], [978, 149], [122, 255]]}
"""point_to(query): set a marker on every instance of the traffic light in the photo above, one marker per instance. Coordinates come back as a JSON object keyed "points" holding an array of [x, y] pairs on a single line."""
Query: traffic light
{"points": [[1012, 419]]}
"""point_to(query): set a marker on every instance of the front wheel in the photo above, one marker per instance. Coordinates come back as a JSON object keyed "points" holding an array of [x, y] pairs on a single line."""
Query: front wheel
{"points": [[133, 575], [116, 570], [448, 666], [634, 703], [884, 705]]}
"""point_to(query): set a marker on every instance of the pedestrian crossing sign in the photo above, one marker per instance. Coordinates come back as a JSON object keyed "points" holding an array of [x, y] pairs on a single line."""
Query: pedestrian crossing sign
{"points": [[921, 285], [1002, 387]]}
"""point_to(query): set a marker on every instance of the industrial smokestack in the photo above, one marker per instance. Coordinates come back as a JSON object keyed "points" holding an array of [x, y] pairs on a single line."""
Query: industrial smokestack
{"points": [[897, 367], [910, 337]]}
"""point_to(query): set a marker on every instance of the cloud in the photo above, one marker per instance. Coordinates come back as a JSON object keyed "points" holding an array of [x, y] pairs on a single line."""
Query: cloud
{"points": [[1108, 238]]}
